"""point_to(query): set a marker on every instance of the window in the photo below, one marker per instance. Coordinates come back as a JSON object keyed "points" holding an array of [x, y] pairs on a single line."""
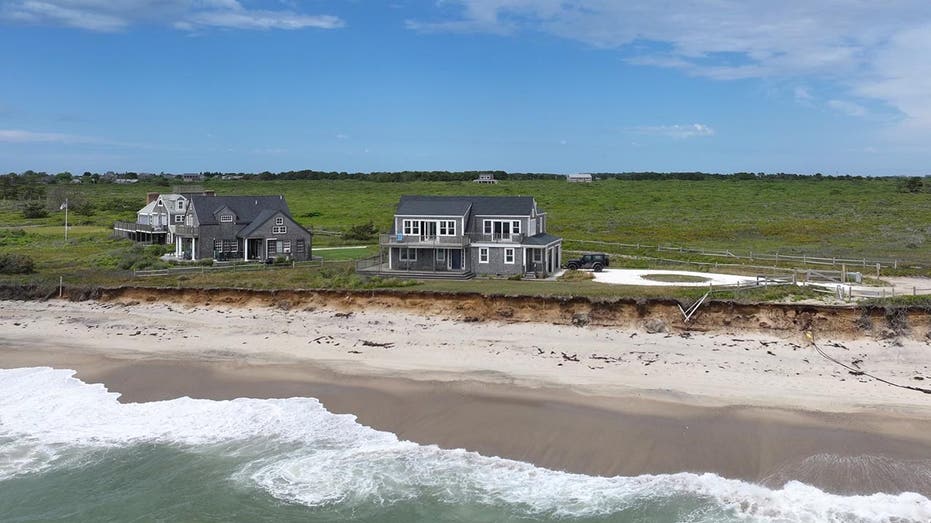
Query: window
{"points": [[280, 229], [279, 221], [180, 205], [483, 255], [179, 218], [515, 227], [538, 255], [487, 228], [217, 245], [508, 255], [411, 227], [286, 246], [299, 246], [234, 246], [447, 228], [441, 255], [226, 218], [189, 220], [407, 254]]}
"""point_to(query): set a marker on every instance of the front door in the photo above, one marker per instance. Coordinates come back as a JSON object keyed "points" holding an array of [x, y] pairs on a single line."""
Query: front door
{"points": [[427, 231], [455, 259]]}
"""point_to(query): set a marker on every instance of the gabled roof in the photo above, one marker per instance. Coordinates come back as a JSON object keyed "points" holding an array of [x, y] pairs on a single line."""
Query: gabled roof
{"points": [[260, 219], [167, 199], [246, 208], [460, 205]]}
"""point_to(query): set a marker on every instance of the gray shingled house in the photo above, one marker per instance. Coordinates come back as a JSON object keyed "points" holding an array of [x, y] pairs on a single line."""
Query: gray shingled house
{"points": [[461, 236], [240, 227]]}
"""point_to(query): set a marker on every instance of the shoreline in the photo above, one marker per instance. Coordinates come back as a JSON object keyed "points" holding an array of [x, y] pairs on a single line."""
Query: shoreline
{"points": [[487, 394]]}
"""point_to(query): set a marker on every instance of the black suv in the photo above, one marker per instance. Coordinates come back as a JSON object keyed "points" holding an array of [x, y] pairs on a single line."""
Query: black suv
{"points": [[593, 261]]}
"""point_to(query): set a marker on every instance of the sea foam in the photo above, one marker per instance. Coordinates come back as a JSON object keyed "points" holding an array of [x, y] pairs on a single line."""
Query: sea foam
{"points": [[298, 452]]}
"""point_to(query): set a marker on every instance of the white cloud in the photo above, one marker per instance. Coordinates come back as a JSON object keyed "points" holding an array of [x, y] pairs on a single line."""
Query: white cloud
{"points": [[675, 131], [848, 108], [342, 136], [188, 15], [802, 94], [876, 50], [21, 136]]}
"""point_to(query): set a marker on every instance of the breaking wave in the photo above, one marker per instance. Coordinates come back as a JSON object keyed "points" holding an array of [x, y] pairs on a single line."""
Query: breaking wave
{"points": [[298, 452]]}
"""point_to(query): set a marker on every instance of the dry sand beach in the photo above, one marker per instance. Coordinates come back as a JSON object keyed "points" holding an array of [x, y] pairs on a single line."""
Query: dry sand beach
{"points": [[594, 400]]}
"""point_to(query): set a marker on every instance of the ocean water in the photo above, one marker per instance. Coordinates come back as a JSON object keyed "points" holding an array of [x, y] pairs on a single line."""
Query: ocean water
{"points": [[70, 451]]}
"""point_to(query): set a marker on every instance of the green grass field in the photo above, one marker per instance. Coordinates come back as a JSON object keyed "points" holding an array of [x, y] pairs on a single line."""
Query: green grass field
{"points": [[822, 217]]}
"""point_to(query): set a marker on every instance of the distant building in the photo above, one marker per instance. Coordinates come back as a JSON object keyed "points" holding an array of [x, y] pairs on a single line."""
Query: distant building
{"points": [[191, 177], [579, 178], [485, 178]]}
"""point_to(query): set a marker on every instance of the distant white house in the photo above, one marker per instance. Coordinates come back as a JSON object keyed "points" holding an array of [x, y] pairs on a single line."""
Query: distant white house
{"points": [[485, 178], [579, 178]]}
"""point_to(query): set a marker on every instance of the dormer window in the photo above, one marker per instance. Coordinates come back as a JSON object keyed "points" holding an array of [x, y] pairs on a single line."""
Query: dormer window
{"points": [[226, 218], [180, 205], [279, 221]]}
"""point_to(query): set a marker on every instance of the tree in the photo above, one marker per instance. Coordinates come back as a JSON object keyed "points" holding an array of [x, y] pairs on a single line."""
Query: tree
{"points": [[63, 177]]}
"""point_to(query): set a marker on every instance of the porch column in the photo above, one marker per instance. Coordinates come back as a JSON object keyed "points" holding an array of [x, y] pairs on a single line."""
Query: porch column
{"points": [[177, 246], [193, 249]]}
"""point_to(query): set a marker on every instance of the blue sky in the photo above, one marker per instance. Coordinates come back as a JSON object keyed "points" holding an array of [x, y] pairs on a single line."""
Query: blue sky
{"points": [[836, 86]]}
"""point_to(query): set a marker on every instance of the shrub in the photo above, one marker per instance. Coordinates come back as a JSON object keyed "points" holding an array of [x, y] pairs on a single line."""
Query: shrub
{"points": [[572, 275], [362, 232], [13, 237], [34, 209], [16, 264]]}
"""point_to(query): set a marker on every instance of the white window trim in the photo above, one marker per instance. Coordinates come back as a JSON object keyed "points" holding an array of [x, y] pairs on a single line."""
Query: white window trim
{"points": [[441, 255], [411, 254], [179, 218], [513, 256], [446, 225], [280, 229], [483, 252], [226, 218], [515, 227], [279, 221], [286, 246], [410, 227]]}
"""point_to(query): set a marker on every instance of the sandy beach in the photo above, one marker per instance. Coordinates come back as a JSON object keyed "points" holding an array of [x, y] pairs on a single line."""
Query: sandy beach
{"points": [[595, 400]]}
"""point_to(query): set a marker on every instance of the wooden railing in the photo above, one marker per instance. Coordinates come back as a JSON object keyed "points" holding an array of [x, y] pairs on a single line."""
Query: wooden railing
{"points": [[138, 227], [420, 240]]}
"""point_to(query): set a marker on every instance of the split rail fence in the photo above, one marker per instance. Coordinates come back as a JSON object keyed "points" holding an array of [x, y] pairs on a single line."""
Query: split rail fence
{"points": [[833, 261]]}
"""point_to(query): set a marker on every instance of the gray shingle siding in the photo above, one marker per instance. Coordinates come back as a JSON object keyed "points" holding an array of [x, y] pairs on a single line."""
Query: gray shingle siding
{"points": [[496, 264], [472, 212], [253, 231]]}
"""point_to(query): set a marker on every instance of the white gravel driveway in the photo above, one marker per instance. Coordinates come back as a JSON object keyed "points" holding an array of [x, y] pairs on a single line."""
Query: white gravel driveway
{"points": [[636, 277]]}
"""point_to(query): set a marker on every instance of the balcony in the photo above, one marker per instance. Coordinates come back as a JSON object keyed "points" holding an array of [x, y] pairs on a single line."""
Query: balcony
{"points": [[416, 240], [497, 237], [138, 227]]}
